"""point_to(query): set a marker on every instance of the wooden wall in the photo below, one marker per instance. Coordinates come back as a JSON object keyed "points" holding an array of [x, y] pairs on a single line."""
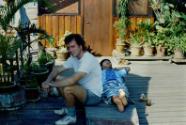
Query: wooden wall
{"points": [[56, 25], [95, 22]]}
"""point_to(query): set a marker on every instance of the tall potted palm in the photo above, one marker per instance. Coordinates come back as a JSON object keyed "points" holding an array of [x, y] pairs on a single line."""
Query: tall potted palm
{"points": [[121, 25], [24, 30], [9, 91]]}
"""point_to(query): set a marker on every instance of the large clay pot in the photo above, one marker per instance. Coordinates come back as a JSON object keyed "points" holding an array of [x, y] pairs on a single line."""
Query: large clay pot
{"points": [[40, 76], [12, 97]]}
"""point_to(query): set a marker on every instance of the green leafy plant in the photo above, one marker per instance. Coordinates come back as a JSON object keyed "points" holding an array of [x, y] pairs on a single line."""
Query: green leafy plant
{"points": [[8, 46], [44, 57], [121, 24], [25, 30], [145, 30], [136, 39], [179, 42], [35, 67], [170, 23]]}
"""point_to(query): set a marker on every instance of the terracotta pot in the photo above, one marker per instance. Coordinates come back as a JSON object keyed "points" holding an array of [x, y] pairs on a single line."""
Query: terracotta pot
{"points": [[32, 94], [178, 54], [148, 50], [120, 45], [135, 51], [160, 51]]}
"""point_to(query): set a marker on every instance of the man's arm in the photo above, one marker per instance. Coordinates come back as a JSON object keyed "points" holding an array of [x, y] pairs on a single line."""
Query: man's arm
{"points": [[69, 81], [55, 71]]}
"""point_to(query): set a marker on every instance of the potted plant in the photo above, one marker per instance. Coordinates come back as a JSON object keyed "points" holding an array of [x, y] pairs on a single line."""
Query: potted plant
{"points": [[145, 30], [8, 48], [30, 84], [32, 90], [179, 46], [39, 72], [121, 25], [170, 22], [159, 40], [23, 31], [9, 91], [148, 45], [45, 59], [136, 42]]}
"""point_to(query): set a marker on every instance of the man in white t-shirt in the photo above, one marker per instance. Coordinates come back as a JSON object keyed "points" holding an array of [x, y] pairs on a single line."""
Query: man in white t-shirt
{"points": [[84, 85]]}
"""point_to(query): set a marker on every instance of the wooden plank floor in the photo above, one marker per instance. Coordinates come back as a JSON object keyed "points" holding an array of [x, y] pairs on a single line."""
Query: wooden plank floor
{"points": [[165, 85]]}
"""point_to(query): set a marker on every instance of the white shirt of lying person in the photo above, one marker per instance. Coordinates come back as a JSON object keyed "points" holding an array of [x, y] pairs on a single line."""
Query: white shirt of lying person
{"points": [[89, 65]]}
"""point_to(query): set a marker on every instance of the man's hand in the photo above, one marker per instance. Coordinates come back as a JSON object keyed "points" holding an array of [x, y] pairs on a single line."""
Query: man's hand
{"points": [[45, 86]]}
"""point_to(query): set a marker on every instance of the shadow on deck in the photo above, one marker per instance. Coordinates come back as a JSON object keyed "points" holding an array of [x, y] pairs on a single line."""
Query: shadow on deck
{"points": [[41, 113], [138, 85]]}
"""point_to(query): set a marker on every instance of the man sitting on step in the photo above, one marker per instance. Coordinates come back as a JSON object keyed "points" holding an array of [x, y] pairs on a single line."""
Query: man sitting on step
{"points": [[85, 85]]}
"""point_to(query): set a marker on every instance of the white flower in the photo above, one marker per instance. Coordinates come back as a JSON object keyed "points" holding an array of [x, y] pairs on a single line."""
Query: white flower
{"points": [[61, 41]]}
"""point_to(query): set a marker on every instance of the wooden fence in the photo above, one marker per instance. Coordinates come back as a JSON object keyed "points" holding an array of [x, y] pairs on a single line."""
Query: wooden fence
{"points": [[56, 25]]}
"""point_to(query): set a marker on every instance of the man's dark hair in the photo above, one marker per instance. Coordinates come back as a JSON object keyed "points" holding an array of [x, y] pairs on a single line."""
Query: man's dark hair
{"points": [[101, 63], [78, 38]]}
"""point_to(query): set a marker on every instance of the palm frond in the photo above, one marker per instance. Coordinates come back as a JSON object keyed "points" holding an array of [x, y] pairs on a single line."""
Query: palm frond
{"points": [[10, 10]]}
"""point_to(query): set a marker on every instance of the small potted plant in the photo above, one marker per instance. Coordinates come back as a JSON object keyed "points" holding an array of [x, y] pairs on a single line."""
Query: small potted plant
{"points": [[159, 40], [145, 29], [136, 42], [45, 59], [179, 46]]}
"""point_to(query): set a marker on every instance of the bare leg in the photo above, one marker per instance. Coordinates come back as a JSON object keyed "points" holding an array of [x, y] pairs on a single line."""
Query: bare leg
{"points": [[123, 97], [124, 101], [118, 103], [71, 93]]}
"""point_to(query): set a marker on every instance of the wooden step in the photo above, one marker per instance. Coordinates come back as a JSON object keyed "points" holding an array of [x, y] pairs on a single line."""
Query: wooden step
{"points": [[108, 115]]}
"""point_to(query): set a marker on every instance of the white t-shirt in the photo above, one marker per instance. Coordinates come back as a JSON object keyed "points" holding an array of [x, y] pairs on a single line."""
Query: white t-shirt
{"points": [[90, 65]]}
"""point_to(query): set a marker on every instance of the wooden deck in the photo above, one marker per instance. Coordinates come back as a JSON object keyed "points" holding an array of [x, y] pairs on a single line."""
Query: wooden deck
{"points": [[164, 84]]}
